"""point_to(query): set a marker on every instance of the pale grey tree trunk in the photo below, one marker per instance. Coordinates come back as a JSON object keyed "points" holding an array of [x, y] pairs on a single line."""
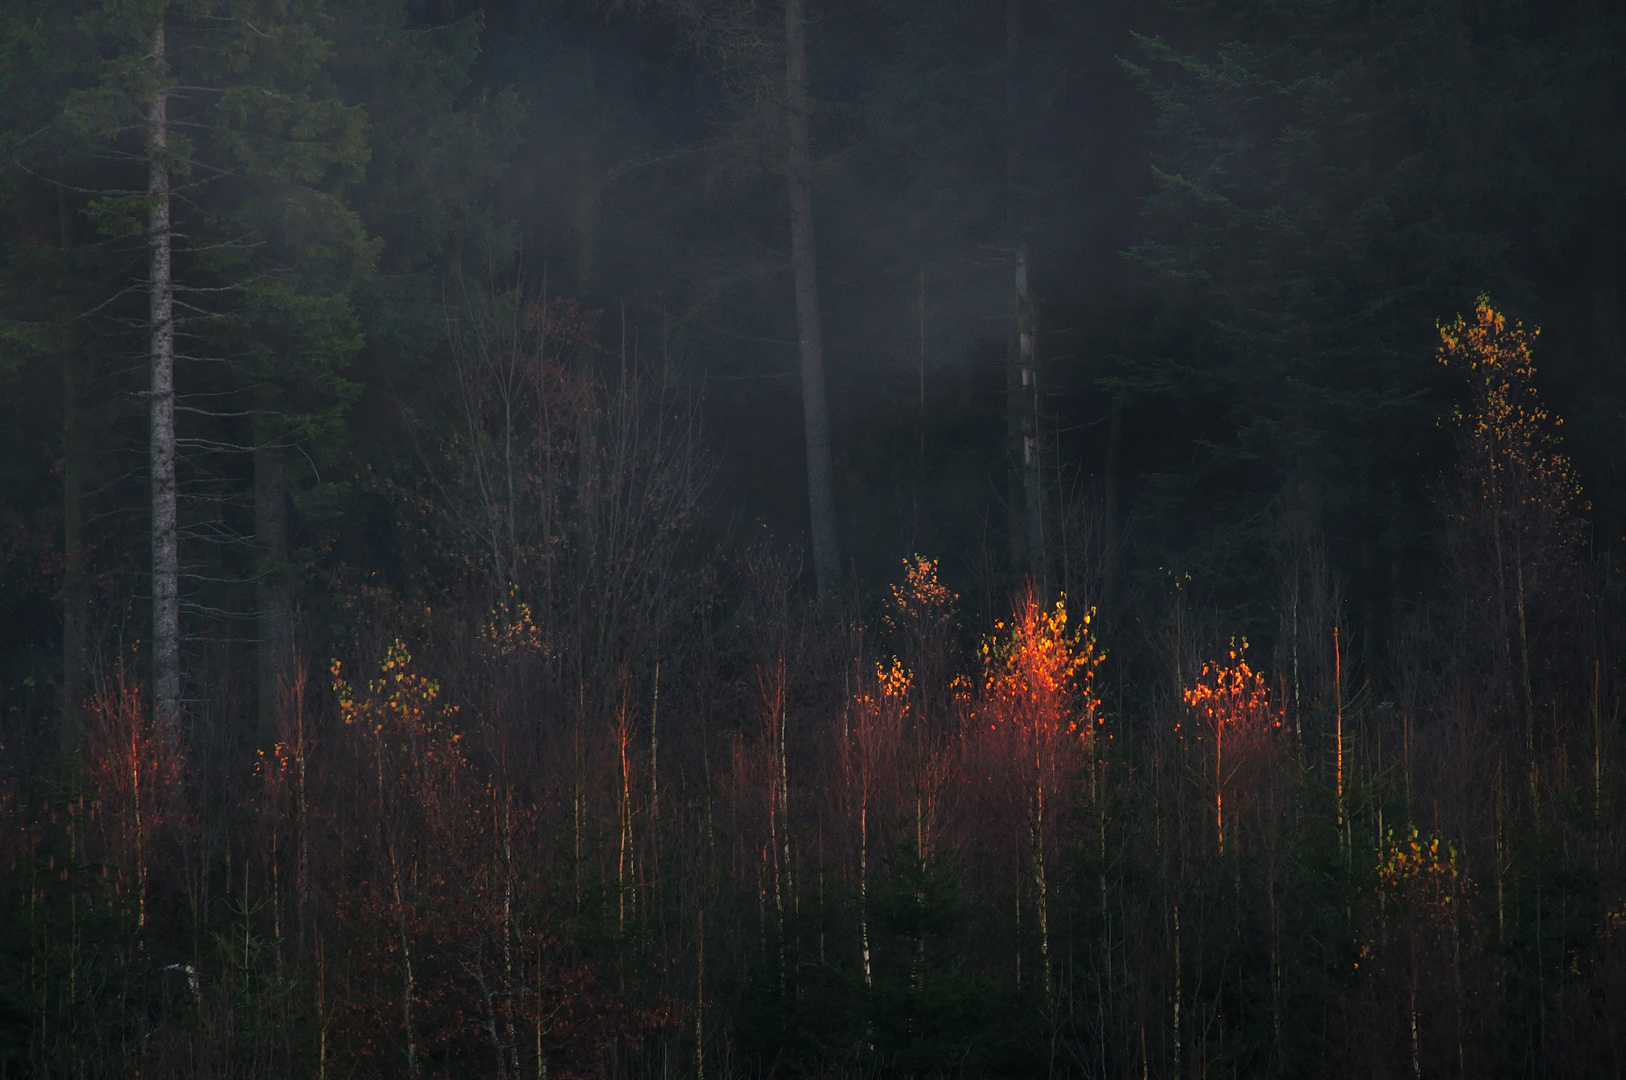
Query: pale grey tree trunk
{"points": [[74, 435], [73, 544], [815, 412], [166, 630], [1018, 428], [274, 607], [1028, 418]]}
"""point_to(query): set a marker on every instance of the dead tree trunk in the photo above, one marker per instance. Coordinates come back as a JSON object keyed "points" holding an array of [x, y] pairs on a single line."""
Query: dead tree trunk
{"points": [[815, 412], [166, 630], [1025, 407], [1024, 489]]}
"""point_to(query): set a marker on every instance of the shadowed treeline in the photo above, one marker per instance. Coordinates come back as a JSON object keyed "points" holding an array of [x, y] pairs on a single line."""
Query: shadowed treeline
{"points": [[615, 820]]}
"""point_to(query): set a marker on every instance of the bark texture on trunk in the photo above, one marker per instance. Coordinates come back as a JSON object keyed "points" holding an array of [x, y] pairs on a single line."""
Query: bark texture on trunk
{"points": [[815, 412], [166, 629], [274, 607]]}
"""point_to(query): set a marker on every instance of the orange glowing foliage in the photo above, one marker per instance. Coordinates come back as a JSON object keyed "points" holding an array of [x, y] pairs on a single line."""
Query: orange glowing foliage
{"points": [[921, 598], [880, 709], [1233, 702], [1039, 675], [893, 682], [1509, 431], [1233, 697]]}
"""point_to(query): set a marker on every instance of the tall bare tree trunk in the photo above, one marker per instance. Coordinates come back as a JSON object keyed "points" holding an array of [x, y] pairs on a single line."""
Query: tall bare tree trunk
{"points": [[700, 994], [1031, 461], [815, 412], [166, 612], [863, 884], [1177, 994], [73, 534], [1015, 492], [1024, 490], [274, 607], [1338, 739]]}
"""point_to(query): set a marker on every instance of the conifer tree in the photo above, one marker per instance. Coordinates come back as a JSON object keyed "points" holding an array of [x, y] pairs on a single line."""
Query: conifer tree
{"points": [[209, 133]]}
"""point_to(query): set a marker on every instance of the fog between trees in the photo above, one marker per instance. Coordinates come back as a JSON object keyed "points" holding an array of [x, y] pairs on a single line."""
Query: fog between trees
{"points": [[994, 538]]}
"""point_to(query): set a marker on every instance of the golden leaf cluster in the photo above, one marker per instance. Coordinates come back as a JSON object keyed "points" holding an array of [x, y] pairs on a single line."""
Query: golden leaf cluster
{"points": [[922, 597], [1508, 428], [1421, 873], [512, 629], [894, 681], [398, 698], [1037, 671]]}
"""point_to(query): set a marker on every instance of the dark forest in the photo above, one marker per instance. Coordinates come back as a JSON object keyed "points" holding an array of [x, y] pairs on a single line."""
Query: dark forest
{"points": [[721, 539]]}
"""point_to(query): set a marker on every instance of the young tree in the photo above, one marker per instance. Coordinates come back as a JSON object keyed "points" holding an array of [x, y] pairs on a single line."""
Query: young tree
{"points": [[1515, 521], [1042, 712], [1233, 704]]}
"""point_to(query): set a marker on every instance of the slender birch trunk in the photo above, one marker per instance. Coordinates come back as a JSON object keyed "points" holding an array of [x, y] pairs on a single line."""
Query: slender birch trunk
{"points": [[1597, 772], [1177, 993], [1041, 888], [74, 432], [655, 779], [166, 633], [73, 541], [863, 885], [1219, 783], [1416, 1041], [700, 995], [1338, 692], [274, 643], [624, 814], [408, 984], [815, 412]]}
